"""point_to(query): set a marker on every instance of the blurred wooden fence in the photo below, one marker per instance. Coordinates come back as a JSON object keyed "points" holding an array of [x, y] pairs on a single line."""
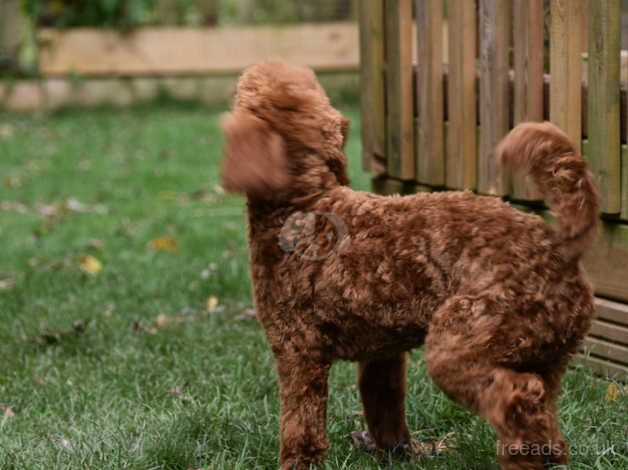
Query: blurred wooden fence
{"points": [[434, 110], [181, 51], [88, 66]]}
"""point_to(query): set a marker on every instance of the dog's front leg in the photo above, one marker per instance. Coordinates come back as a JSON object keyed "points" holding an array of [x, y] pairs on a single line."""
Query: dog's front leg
{"points": [[303, 392]]}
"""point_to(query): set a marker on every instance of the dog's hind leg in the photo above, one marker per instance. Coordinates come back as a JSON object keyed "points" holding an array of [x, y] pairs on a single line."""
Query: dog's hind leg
{"points": [[464, 356], [382, 385], [303, 393]]}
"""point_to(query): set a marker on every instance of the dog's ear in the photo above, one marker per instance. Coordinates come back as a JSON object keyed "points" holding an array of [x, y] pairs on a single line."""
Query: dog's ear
{"points": [[255, 159]]}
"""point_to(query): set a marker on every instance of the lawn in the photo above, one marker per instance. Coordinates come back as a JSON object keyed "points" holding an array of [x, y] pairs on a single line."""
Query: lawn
{"points": [[126, 339]]}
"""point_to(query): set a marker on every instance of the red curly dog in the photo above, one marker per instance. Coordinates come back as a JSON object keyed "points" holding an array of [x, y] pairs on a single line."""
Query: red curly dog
{"points": [[498, 297]]}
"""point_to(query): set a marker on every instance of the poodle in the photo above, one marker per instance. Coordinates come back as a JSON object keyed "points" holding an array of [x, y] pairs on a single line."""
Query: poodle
{"points": [[497, 297]]}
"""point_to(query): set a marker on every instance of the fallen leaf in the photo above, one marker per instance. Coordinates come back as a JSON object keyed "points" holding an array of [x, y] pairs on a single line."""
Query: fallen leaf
{"points": [[50, 210], [8, 412], [11, 206], [188, 312], [162, 320], [611, 392], [139, 327], [109, 310], [127, 228], [212, 303], [210, 271], [74, 205], [49, 336], [62, 442], [6, 284], [430, 447], [247, 313], [95, 244], [6, 131], [90, 265], [199, 194], [177, 391], [417, 448], [12, 182], [165, 243], [168, 195]]}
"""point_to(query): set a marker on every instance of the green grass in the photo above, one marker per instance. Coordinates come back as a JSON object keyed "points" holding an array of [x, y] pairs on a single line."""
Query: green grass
{"points": [[124, 392]]}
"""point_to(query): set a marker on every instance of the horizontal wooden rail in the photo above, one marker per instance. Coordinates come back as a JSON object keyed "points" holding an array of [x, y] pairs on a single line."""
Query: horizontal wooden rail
{"points": [[623, 94], [179, 51], [607, 344]]}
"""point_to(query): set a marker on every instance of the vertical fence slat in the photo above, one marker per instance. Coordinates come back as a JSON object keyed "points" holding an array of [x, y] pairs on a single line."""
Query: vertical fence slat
{"points": [[10, 28], [528, 20], [624, 182], [565, 64], [623, 77], [399, 119], [372, 83], [603, 102], [430, 145], [495, 22], [461, 159]]}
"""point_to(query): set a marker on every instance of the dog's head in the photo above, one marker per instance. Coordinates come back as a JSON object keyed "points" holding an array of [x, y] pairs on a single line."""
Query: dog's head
{"points": [[282, 124]]}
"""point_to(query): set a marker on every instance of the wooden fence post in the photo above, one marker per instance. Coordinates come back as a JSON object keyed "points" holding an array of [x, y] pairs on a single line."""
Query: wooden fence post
{"points": [[623, 77], [372, 84], [565, 67], [528, 86], [10, 30], [495, 21], [461, 158], [400, 117], [430, 151], [603, 102]]}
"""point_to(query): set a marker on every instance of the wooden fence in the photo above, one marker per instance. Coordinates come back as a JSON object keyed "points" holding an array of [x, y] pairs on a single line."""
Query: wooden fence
{"points": [[434, 107], [90, 67], [181, 51]]}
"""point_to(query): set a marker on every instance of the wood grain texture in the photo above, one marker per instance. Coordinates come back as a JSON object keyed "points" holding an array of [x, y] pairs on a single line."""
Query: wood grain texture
{"points": [[623, 77], [611, 351], [495, 22], [607, 262], [609, 331], [10, 28], [399, 91], [603, 101], [612, 311], [565, 64], [372, 91], [624, 181], [430, 144], [172, 51], [461, 144], [528, 18]]}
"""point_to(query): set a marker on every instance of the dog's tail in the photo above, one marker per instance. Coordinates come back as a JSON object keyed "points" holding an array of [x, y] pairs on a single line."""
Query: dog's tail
{"points": [[545, 152]]}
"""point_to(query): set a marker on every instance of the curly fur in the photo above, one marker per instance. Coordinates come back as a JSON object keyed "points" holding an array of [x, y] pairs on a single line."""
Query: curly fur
{"points": [[497, 296]]}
